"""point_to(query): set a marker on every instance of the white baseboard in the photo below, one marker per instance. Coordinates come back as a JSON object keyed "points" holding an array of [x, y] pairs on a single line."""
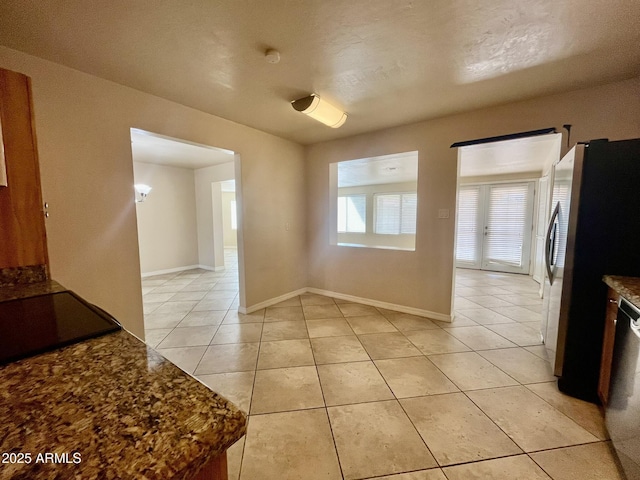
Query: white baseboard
{"points": [[272, 301], [181, 269], [170, 270], [366, 301], [389, 306], [219, 268], [207, 267]]}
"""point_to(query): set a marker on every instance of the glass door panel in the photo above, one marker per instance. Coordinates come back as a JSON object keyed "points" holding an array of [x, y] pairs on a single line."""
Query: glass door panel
{"points": [[507, 229], [493, 227]]}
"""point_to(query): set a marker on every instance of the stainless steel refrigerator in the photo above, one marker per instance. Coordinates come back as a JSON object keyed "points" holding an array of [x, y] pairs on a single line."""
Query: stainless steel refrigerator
{"points": [[594, 230]]}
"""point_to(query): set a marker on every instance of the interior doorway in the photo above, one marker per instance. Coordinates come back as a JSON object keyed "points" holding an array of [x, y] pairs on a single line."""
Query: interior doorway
{"points": [[501, 214], [501, 204], [229, 215], [229, 226], [187, 280]]}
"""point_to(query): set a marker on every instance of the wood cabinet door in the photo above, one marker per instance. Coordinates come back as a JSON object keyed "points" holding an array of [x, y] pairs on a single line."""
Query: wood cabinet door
{"points": [[607, 345], [22, 230]]}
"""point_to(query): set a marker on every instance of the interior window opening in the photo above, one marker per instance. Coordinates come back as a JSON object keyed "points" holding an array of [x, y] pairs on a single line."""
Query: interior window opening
{"points": [[375, 201]]}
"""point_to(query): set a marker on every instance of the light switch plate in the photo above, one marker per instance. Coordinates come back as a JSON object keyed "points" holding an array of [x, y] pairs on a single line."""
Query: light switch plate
{"points": [[443, 213]]}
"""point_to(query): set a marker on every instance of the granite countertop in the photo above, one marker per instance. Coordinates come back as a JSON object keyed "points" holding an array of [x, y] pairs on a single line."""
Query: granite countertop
{"points": [[126, 410], [627, 287], [13, 292]]}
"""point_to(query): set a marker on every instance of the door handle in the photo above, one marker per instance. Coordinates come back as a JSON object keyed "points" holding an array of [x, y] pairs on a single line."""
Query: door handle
{"points": [[552, 240], [634, 328], [550, 243]]}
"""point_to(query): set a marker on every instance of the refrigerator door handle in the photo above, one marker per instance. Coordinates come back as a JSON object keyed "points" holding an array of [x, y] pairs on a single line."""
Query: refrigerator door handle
{"points": [[635, 328], [550, 243]]}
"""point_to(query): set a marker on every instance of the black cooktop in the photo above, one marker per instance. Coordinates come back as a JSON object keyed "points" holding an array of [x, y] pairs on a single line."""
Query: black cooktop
{"points": [[33, 325]]}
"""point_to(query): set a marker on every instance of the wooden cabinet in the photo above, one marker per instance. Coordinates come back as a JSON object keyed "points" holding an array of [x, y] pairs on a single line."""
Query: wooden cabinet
{"points": [[215, 469], [607, 345], [22, 230]]}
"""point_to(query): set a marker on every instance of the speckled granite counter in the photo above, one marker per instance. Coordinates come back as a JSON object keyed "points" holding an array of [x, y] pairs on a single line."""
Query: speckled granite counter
{"points": [[127, 412], [29, 290], [627, 287], [10, 276]]}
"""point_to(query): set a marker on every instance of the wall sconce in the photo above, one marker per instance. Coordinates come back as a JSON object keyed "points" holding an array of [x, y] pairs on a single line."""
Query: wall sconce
{"points": [[142, 191], [320, 110]]}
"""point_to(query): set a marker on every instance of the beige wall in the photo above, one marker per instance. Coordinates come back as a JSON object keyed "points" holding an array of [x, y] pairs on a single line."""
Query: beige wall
{"points": [[229, 234], [423, 279], [82, 125], [167, 230], [271, 202]]}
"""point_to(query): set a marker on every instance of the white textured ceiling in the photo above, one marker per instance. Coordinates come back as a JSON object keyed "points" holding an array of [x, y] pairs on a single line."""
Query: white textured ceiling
{"points": [[394, 168], [149, 147], [523, 155], [384, 62]]}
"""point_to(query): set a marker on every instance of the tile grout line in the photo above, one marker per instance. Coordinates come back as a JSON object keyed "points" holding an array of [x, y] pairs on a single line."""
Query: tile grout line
{"points": [[324, 400], [398, 400]]}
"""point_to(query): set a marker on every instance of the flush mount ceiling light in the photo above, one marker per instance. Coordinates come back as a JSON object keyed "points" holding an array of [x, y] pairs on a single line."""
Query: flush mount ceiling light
{"points": [[272, 56], [320, 110], [142, 191]]}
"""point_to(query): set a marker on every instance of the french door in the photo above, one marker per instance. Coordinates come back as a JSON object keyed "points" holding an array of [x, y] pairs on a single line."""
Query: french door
{"points": [[493, 230]]}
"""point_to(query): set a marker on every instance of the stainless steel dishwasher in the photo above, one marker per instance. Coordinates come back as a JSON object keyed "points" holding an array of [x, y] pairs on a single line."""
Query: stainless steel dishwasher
{"points": [[623, 410]]}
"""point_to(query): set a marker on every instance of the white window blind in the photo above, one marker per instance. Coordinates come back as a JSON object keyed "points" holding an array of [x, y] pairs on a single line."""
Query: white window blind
{"points": [[506, 222], [388, 214], [408, 213], [467, 224], [395, 213], [352, 214]]}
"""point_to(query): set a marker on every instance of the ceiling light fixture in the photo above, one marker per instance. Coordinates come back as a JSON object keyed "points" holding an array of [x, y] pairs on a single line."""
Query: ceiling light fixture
{"points": [[272, 56], [142, 191], [320, 110]]}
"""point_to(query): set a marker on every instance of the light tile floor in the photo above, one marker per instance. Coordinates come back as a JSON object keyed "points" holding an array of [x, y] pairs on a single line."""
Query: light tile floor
{"points": [[338, 390]]}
